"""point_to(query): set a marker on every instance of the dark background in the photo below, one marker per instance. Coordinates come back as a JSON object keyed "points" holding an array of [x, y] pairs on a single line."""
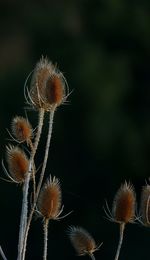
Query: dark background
{"points": [[102, 137]]}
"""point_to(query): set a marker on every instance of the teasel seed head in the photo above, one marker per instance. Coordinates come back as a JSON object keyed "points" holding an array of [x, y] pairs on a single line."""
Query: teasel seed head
{"points": [[145, 206], [21, 129], [55, 89], [50, 198], [18, 163], [48, 86], [82, 241], [124, 204]]}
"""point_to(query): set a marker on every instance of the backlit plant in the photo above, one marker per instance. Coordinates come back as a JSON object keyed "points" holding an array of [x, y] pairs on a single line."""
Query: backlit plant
{"points": [[48, 89]]}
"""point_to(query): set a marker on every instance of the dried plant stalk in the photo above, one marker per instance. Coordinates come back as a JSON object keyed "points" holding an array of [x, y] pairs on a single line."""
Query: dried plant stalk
{"points": [[24, 211], [2, 254], [50, 206], [47, 92], [49, 96], [123, 210], [40, 181], [122, 227], [45, 239]]}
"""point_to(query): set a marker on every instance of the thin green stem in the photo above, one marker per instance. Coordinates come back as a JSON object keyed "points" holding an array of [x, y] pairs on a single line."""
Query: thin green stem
{"points": [[24, 210], [122, 227], [45, 239], [51, 117]]}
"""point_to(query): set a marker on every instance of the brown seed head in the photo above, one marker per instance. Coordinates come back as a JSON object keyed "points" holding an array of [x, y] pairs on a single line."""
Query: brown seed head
{"points": [[124, 204], [47, 86], [49, 202], [82, 241], [21, 129], [145, 205], [18, 163], [55, 90]]}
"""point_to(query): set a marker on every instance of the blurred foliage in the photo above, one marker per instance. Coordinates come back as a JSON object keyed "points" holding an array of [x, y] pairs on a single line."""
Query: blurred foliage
{"points": [[103, 136]]}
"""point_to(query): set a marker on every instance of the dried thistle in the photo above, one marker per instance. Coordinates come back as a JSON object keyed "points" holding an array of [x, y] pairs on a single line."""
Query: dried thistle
{"points": [[48, 86], [82, 241], [123, 210], [49, 206], [48, 90], [55, 89], [145, 206], [18, 163], [21, 129], [50, 197]]}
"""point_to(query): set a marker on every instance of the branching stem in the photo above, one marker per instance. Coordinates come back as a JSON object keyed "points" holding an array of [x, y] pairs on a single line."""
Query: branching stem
{"points": [[24, 211], [51, 117]]}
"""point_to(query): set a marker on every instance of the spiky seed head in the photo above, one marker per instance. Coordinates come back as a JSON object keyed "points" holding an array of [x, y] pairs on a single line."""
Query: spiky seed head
{"points": [[21, 129], [82, 241], [18, 163], [48, 86], [41, 73], [145, 206], [49, 202], [123, 210], [55, 89]]}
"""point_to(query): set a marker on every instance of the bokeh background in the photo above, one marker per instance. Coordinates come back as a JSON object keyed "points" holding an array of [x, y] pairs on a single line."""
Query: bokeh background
{"points": [[102, 136]]}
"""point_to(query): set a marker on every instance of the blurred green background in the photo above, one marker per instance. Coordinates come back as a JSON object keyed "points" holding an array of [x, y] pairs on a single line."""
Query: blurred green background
{"points": [[102, 137]]}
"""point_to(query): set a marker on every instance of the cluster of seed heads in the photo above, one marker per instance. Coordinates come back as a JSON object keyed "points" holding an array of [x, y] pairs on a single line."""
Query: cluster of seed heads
{"points": [[48, 90], [48, 87]]}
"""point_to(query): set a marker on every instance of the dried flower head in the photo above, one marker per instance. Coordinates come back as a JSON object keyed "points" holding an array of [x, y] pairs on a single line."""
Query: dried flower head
{"points": [[124, 204], [55, 89], [18, 163], [82, 241], [49, 202], [48, 86], [145, 206], [21, 129], [123, 209]]}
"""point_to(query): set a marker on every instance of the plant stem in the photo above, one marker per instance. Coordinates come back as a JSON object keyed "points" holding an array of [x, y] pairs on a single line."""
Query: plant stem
{"points": [[2, 254], [51, 117], [92, 256], [24, 210], [122, 227], [45, 239], [33, 170]]}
